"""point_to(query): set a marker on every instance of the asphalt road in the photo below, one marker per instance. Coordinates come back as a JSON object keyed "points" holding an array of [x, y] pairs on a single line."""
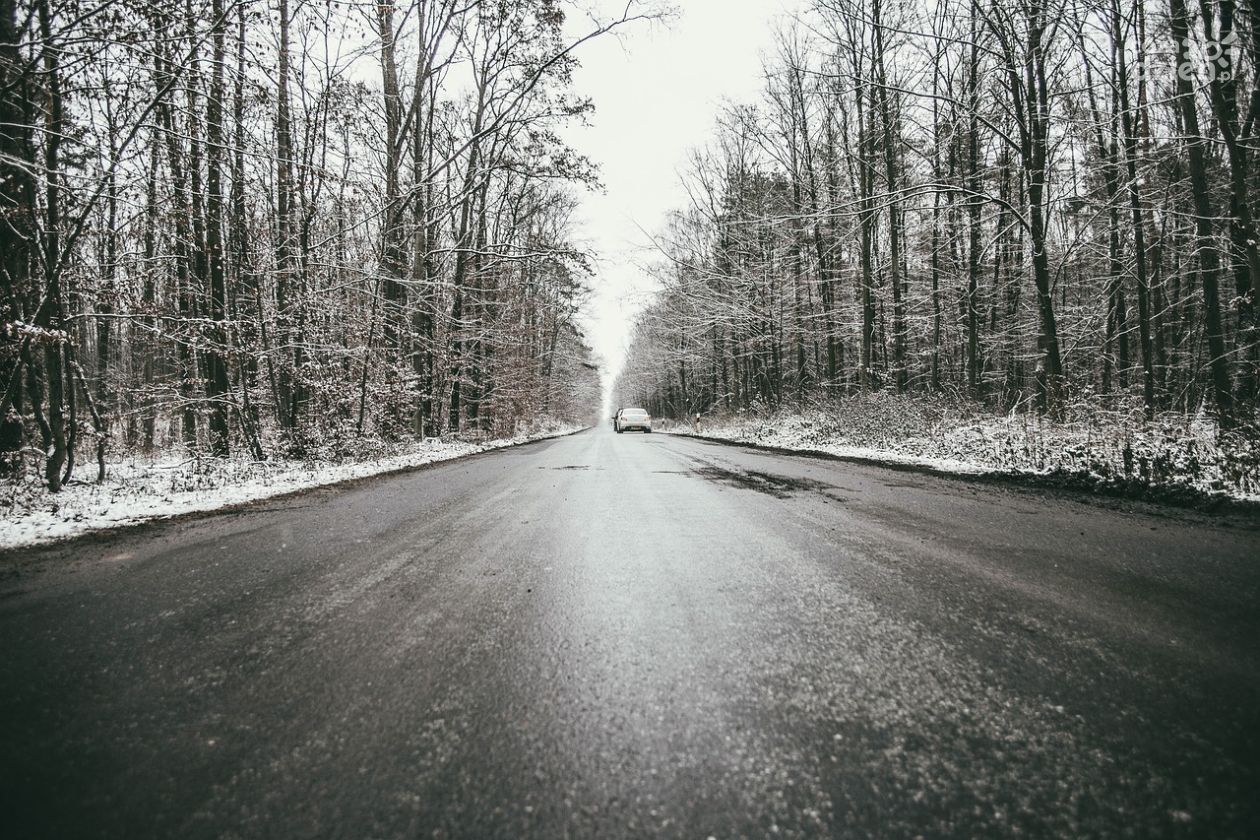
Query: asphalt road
{"points": [[628, 636]]}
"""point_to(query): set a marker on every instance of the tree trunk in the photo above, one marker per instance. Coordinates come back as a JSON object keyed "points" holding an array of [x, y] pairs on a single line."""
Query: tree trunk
{"points": [[1209, 257], [53, 310], [217, 381]]}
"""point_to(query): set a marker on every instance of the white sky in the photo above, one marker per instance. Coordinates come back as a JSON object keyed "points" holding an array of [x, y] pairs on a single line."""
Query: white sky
{"points": [[657, 92]]}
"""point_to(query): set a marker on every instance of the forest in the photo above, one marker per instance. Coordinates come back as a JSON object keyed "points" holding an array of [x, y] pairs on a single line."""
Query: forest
{"points": [[1040, 207], [286, 229]]}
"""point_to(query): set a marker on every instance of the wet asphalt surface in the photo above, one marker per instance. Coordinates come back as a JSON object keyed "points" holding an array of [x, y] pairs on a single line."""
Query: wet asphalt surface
{"points": [[630, 636]]}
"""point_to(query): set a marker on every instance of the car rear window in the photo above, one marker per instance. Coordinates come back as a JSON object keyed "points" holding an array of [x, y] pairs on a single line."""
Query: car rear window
{"points": [[633, 414]]}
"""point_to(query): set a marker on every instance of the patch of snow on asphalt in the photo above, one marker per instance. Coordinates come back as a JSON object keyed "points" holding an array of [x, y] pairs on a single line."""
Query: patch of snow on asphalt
{"points": [[138, 490]]}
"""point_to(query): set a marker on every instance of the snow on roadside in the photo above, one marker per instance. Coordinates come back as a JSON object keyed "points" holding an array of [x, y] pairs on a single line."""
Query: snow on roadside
{"points": [[793, 438], [1153, 455], [138, 491]]}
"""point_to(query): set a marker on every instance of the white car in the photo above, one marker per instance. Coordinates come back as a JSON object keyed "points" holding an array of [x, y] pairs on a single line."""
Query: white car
{"points": [[633, 418]]}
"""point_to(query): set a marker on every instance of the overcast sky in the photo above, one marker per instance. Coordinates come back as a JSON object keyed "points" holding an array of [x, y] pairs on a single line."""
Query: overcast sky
{"points": [[657, 92]]}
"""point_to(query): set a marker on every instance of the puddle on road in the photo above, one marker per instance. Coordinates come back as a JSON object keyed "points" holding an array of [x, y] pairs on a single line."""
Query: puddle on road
{"points": [[779, 486], [903, 485], [573, 467]]}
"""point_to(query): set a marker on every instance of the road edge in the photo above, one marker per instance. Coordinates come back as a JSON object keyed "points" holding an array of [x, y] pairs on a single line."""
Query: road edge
{"points": [[1076, 485], [131, 528]]}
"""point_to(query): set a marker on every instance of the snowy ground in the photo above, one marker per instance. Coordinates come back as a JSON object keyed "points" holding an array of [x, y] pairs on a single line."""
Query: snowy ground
{"points": [[1168, 454], [137, 490]]}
